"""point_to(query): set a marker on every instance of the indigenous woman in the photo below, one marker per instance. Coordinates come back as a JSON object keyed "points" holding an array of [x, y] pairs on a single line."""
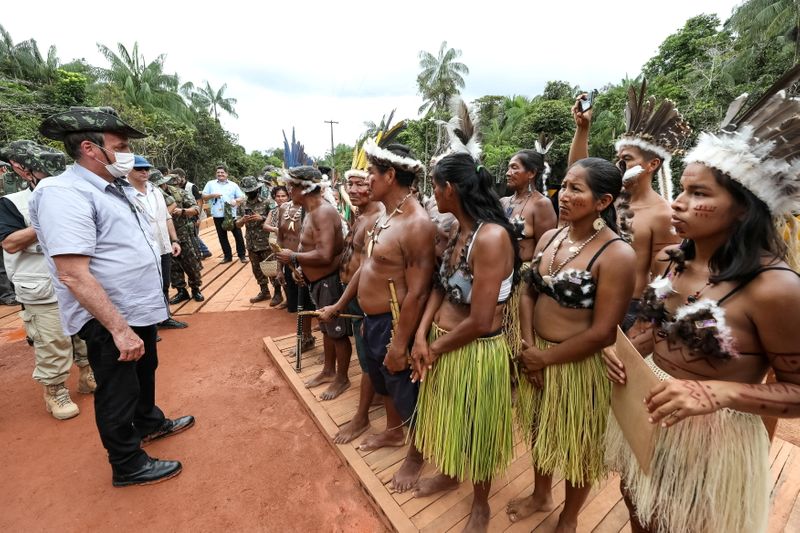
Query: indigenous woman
{"points": [[531, 214], [464, 417], [579, 286], [715, 321], [280, 195]]}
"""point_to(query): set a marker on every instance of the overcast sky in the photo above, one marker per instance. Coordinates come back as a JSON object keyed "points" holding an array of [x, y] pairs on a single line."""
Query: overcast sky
{"points": [[300, 63]]}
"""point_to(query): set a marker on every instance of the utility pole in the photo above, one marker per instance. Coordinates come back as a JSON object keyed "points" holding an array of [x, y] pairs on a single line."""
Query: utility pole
{"points": [[332, 122]]}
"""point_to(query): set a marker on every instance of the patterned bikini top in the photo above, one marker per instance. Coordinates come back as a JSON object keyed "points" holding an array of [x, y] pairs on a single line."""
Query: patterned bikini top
{"points": [[572, 288], [699, 324]]}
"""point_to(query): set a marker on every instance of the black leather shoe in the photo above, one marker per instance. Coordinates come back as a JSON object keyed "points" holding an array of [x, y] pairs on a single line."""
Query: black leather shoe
{"points": [[206, 255], [244, 259], [225, 260], [168, 428], [153, 471], [182, 296], [197, 296], [171, 323]]}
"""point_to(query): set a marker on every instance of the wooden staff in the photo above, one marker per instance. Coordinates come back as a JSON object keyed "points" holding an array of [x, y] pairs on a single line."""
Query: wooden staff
{"points": [[298, 363], [339, 315]]}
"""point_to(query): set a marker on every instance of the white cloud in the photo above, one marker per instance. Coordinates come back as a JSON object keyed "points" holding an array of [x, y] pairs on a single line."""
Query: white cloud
{"points": [[301, 63]]}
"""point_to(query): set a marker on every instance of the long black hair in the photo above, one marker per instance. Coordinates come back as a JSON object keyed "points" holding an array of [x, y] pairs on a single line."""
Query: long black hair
{"points": [[740, 256], [603, 177], [532, 161], [473, 183]]}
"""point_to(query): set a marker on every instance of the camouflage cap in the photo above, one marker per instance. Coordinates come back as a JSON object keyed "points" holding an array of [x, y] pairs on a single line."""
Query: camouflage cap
{"points": [[35, 157], [250, 184], [77, 119], [305, 173], [157, 178]]}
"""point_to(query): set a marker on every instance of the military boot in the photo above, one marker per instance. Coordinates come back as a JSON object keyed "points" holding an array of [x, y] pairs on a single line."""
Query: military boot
{"points": [[58, 402], [182, 296], [86, 382], [277, 297], [260, 297]]}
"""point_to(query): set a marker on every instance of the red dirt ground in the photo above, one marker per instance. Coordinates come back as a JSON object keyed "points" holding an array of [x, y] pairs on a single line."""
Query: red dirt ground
{"points": [[253, 462]]}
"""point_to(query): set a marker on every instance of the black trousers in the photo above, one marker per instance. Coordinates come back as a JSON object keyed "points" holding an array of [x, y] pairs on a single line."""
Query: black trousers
{"points": [[166, 265], [223, 239], [125, 400]]}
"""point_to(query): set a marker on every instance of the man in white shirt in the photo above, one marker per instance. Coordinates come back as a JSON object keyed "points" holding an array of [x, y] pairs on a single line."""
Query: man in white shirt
{"points": [[154, 206], [221, 192]]}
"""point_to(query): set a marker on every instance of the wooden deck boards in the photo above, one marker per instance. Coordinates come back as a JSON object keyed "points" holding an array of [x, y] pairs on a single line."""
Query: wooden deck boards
{"points": [[604, 510]]}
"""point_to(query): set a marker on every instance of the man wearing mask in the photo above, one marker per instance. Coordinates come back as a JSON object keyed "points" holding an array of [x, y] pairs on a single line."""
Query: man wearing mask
{"points": [[222, 193], [256, 209], [107, 279], [54, 352]]}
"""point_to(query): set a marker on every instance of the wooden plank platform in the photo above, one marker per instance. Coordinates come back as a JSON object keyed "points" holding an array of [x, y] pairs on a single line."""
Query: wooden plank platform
{"points": [[604, 510]]}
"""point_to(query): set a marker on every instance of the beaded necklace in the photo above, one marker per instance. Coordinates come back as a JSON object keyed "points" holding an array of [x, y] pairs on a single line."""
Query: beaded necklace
{"points": [[552, 273], [381, 224]]}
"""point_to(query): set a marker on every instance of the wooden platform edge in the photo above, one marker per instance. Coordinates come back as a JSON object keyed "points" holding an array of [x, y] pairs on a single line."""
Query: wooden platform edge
{"points": [[386, 507]]}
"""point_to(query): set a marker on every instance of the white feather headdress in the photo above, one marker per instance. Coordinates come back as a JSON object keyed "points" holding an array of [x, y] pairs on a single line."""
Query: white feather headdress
{"points": [[759, 146], [660, 130], [462, 129]]}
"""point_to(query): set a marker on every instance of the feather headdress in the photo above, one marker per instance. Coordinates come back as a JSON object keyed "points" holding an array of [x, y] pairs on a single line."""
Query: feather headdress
{"points": [[462, 128], [385, 135], [294, 154], [660, 130], [542, 146], [376, 150], [759, 146]]}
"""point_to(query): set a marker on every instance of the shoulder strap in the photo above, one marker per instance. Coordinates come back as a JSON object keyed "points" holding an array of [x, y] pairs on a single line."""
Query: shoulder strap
{"points": [[472, 241], [600, 251], [556, 234], [748, 279]]}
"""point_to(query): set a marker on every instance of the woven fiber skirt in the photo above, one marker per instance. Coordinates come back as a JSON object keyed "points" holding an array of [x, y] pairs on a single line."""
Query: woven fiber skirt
{"points": [[709, 472], [566, 419], [464, 416]]}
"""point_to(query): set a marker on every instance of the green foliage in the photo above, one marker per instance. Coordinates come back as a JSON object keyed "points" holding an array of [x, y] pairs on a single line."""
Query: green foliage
{"points": [[441, 78]]}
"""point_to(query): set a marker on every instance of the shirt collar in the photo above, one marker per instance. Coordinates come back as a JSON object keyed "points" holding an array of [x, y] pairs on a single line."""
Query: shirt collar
{"points": [[93, 178]]}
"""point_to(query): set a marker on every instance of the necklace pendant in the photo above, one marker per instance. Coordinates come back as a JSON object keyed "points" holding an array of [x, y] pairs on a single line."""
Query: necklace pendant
{"points": [[370, 245], [573, 249], [291, 225], [548, 280]]}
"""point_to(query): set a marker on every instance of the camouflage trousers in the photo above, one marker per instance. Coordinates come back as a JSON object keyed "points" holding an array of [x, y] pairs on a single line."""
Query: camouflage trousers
{"points": [[255, 262], [188, 263]]}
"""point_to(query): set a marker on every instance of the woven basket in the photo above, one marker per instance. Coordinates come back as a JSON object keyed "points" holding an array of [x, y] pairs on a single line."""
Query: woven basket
{"points": [[269, 267]]}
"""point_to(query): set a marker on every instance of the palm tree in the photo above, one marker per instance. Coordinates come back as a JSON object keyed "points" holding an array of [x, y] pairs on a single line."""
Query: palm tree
{"points": [[766, 20], [24, 62], [441, 78], [143, 84], [207, 98]]}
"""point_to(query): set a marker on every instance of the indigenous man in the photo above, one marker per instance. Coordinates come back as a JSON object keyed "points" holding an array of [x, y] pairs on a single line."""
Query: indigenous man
{"points": [[54, 352], [290, 220], [644, 152], [400, 255], [256, 209], [183, 208], [321, 245], [368, 213]]}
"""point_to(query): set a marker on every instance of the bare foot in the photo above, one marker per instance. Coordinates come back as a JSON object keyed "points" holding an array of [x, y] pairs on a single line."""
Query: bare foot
{"points": [[351, 430], [522, 508], [319, 379], [566, 525], [432, 485], [394, 439], [478, 518], [336, 388], [407, 476]]}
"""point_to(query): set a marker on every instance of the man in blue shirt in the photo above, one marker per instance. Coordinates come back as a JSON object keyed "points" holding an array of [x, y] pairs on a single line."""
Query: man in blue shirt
{"points": [[221, 193], [107, 278]]}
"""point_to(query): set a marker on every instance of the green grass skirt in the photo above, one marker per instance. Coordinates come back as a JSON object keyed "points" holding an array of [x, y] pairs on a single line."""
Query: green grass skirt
{"points": [[464, 414], [566, 420]]}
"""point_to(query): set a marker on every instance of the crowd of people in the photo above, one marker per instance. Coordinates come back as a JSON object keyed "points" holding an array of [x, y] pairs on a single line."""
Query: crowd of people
{"points": [[469, 313]]}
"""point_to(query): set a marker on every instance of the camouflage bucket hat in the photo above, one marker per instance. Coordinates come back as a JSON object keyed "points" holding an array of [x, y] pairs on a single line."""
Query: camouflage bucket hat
{"points": [[250, 184], [78, 119], [35, 157], [305, 173], [157, 178]]}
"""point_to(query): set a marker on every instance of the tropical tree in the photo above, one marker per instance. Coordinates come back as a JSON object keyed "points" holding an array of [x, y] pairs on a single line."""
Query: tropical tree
{"points": [[441, 78], [144, 84], [770, 20], [211, 100], [24, 61]]}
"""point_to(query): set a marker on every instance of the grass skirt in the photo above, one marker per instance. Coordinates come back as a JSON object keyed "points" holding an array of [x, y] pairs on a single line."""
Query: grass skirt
{"points": [[566, 420], [709, 472], [464, 415]]}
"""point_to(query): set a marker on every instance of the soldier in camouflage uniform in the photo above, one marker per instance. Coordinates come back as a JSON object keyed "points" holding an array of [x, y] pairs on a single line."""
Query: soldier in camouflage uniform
{"points": [[256, 209], [183, 208]]}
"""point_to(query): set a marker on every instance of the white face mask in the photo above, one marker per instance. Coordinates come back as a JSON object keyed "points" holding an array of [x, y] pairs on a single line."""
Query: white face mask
{"points": [[123, 163]]}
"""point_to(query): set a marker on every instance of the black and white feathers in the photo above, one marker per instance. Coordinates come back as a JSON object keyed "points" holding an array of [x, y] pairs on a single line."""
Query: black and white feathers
{"points": [[462, 129]]}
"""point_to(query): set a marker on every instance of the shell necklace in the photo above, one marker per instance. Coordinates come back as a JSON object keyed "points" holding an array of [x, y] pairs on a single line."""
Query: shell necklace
{"points": [[381, 224], [548, 278]]}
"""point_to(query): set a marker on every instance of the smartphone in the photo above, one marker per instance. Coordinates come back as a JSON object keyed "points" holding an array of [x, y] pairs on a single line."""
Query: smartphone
{"points": [[587, 101], [248, 211]]}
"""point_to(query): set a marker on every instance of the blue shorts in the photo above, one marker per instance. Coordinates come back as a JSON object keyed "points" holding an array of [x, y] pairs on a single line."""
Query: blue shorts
{"points": [[398, 386], [361, 350]]}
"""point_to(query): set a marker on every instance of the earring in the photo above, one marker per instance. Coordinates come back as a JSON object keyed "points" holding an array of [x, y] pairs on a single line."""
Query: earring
{"points": [[598, 224]]}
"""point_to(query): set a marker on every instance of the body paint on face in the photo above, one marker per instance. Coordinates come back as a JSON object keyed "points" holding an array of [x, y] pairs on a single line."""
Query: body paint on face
{"points": [[704, 211]]}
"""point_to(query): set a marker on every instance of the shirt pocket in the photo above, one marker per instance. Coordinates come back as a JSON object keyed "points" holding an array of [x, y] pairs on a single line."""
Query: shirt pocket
{"points": [[33, 286]]}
